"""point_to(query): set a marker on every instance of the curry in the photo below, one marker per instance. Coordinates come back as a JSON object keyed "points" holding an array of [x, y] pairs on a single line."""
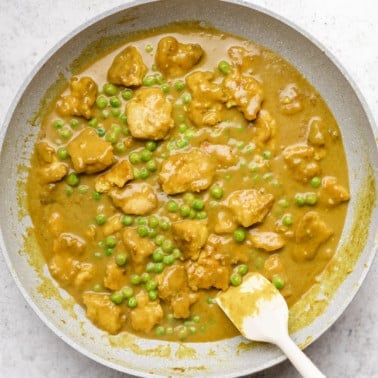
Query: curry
{"points": [[173, 165]]}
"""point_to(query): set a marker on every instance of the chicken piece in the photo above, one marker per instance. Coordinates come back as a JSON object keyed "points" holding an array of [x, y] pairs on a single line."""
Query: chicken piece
{"points": [[136, 198], [300, 158], [290, 99], [332, 193], [84, 275], [224, 155], [149, 114], [55, 223], [46, 153], [311, 232], [70, 243], [90, 153], [208, 98], [245, 93], [191, 171], [190, 236], [316, 132], [64, 268], [117, 176], [53, 172], [265, 130], [115, 276], [127, 68], [81, 99], [147, 314], [112, 225], [223, 220], [103, 312], [274, 268], [175, 59], [174, 289], [242, 58], [250, 206], [139, 248], [266, 240]]}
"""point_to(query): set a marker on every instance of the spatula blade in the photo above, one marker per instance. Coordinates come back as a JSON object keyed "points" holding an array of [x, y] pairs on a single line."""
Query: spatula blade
{"points": [[256, 308]]}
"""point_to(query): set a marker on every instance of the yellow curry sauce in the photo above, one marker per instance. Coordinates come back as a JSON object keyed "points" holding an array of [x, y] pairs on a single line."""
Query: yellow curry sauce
{"points": [[175, 164]]}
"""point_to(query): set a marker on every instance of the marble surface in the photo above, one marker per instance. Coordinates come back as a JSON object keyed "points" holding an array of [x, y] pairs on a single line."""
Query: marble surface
{"points": [[29, 28]]}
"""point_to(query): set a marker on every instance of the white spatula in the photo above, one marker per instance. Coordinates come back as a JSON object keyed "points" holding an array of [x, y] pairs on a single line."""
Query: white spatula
{"points": [[260, 313]]}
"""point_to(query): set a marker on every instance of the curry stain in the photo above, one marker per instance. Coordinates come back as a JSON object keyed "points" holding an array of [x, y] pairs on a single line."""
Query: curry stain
{"points": [[185, 352], [245, 346]]}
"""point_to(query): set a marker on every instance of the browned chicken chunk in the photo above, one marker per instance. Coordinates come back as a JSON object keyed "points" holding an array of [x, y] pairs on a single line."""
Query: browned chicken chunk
{"points": [[149, 114], [103, 312], [90, 153], [290, 99], [266, 240], [81, 99], [175, 59], [117, 176], [332, 193], [127, 68], [53, 172], [191, 171]]}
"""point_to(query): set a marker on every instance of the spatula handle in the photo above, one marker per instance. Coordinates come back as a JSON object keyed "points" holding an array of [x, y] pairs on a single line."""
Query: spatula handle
{"points": [[303, 364]]}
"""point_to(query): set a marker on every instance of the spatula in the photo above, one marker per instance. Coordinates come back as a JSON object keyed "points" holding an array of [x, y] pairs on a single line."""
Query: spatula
{"points": [[260, 313]]}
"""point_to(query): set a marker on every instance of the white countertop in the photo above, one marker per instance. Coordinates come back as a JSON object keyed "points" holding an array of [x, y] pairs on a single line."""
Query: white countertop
{"points": [[29, 28]]}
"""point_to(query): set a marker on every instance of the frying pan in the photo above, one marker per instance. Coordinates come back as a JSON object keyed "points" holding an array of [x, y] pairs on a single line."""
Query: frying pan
{"points": [[228, 358]]}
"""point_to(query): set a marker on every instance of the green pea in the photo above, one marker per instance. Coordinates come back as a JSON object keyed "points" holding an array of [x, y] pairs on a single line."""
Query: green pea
{"points": [[151, 165], [159, 267], [74, 123], [316, 182], [176, 253], [172, 206], [184, 210], [65, 133], [182, 143], [149, 80], [116, 112], [167, 246], [108, 251], [198, 204], [100, 219], [165, 88], [299, 199], [151, 285], [159, 240], [121, 259], [189, 198], [83, 189], [127, 94], [236, 279], [267, 154], [151, 145], [224, 67], [152, 232], [146, 155], [62, 153], [169, 259], [278, 281], [283, 202], [73, 179], [159, 79], [127, 292], [93, 122], [97, 255], [127, 220], [160, 330], [182, 332], [132, 302], [287, 220], [189, 134], [97, 288], [142, 231], [311, 199], [182, 127], [186, 98], [135, 279], [158, 255], [242, 269], [120, 147], [150, 267], [201, 215], [123, 119], [153, 221], [58, 124], [211, 301], [144, 173], [164, 224], [100, 131], [116, 297], [135, 158], [179, 85], [216, 192], [110, 89], [142, 221], [110, 241], [152, 294], [239, 235], [101, 102], [145, 277]]}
